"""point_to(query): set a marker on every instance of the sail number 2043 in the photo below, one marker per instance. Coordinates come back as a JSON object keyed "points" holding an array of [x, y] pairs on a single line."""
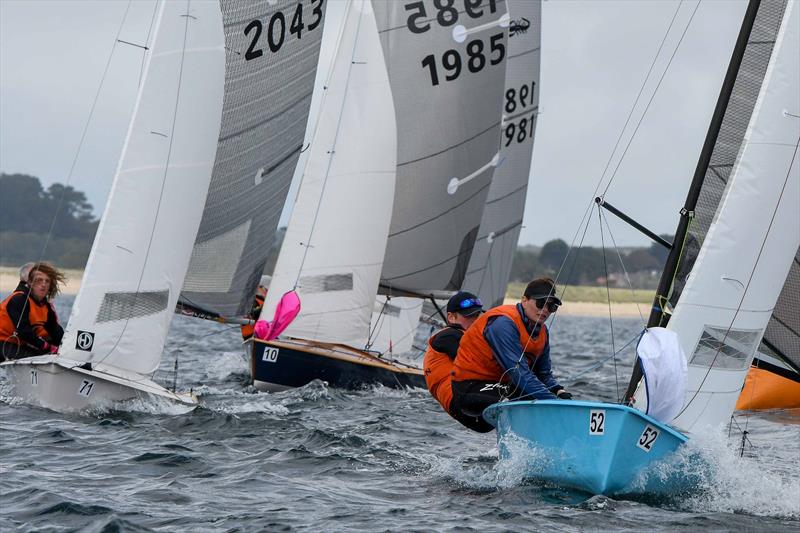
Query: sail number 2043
{"points": [[277, 26]]}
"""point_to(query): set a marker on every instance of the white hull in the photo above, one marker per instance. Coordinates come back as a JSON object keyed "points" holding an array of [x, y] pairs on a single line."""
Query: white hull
{"points": [[59, 384]]}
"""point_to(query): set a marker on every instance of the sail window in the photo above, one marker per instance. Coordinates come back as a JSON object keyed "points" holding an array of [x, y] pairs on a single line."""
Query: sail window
{"points": [[327, 282], [725, 348], [125, 305]]}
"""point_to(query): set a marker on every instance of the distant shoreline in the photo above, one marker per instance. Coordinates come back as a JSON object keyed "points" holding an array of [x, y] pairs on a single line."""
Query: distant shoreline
{"points": [[9, 277]]}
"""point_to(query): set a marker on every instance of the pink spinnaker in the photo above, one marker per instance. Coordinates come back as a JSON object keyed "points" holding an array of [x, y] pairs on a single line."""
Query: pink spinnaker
{"points": [[287, 309]]}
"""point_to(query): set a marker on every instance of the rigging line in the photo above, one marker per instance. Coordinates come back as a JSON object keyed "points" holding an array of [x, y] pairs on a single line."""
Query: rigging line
{"points": [[638, 96], [600, 363], [574, 263], [147, 41], [92, 109], [749, 280], [332, 151], [608, 294], [625, 270], [652, 97], [166, 171], [588, 209]]}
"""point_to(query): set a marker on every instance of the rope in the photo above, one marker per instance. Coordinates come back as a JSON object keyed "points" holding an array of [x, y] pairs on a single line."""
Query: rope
{"points": [[608, 297]]}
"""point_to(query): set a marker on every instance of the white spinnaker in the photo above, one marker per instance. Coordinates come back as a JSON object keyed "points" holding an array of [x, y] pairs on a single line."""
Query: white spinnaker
{"points": [[746, 256], [394, 324], [141, 251], [337, 233]]}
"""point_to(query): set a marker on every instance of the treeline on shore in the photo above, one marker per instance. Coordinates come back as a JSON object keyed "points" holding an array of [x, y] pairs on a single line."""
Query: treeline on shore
{"points": [[57, 224]]}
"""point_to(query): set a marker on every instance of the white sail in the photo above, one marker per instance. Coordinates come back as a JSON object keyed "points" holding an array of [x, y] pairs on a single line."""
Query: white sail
{"points": [[740, 270], [394, 324], [141, 251], [335, 241]]}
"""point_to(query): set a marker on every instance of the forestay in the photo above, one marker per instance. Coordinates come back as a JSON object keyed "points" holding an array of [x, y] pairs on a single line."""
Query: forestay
{"points": [[141, 251], [446, 65], [273, 50], [490, 265], [741, 268], [334, 245]]}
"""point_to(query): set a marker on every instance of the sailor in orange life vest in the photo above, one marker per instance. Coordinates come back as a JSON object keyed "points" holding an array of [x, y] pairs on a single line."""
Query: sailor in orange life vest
{"points": [[28, 322], [506, 354], [463, 309], [255, 311]]}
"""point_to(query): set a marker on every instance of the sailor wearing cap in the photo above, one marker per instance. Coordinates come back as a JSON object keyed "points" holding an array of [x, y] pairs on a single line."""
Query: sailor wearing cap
{"points": [[506, 354], [463, 309]]}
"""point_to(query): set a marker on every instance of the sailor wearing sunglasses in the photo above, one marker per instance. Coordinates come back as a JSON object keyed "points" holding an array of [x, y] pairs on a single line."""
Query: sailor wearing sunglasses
{"points": [[506, 354]]}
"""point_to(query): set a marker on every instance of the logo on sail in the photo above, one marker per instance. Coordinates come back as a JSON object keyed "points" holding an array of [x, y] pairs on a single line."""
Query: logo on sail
{"points": [[518, 26], [84, 341]]}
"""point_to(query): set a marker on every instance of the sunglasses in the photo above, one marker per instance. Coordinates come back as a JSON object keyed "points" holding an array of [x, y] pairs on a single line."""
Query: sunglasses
{"points": [[551, 305], [470, 302]]}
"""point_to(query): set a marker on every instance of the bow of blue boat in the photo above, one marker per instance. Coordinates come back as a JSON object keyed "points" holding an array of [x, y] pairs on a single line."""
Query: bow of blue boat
{"points": [[596, 447]]}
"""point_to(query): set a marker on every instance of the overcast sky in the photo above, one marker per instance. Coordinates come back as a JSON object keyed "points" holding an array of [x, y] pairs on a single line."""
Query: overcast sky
{"points": [[595, 55]]}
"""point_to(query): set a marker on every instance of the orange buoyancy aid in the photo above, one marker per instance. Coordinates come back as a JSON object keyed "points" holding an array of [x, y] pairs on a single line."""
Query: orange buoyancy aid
{"points": [[249, 329], [37, 316], [475, 360], [438, 369]]}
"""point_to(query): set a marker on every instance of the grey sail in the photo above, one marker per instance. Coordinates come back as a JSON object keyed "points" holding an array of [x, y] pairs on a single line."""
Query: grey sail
{"points": [[734, 124], [782, 336], [490, 266], [273, 50], [446, 66]]}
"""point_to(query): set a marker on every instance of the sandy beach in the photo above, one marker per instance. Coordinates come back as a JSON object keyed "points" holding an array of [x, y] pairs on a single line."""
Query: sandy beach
{"points": [[9, 278]]}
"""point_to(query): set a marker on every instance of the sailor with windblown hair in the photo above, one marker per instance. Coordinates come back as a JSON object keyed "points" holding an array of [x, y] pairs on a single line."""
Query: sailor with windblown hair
{"points": [[28, 322], [506, 354]]}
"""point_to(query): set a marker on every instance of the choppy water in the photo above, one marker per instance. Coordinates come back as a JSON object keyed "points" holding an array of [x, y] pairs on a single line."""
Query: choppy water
{"points": [[373, 460]]}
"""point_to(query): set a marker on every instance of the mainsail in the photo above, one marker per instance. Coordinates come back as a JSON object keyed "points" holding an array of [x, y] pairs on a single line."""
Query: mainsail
{"points": [[141, 251], [447, 65], [739, 273], [782, 337], [273, 50], [738, 112], [332, 253], [490, 265]]}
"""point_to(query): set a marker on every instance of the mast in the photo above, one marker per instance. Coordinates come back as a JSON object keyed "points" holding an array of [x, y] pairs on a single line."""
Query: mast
{"points": [[686, 213]]}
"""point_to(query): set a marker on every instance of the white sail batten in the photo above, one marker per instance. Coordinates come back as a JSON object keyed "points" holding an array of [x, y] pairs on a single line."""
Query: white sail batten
{"points": [[140, 254], [490, 264], [447, 84], [746, 256], [335, 240]]}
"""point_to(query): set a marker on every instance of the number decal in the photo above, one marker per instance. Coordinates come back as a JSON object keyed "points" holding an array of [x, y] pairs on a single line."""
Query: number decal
{"points": [[446, 14], [648, 438], [270, 355], [517, 100], [277, 28], [86, 388], [252, 53], [597, 422], [475, 59], [34, 378]]}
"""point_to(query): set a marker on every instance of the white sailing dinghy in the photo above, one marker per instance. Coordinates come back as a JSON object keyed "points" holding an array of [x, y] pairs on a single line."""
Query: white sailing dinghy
{"points": [[409, 164], [211, 115], [724, 308]]}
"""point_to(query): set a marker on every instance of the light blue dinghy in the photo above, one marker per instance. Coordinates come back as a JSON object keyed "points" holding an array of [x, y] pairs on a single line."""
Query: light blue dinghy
{"points": [[600, 448]]}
